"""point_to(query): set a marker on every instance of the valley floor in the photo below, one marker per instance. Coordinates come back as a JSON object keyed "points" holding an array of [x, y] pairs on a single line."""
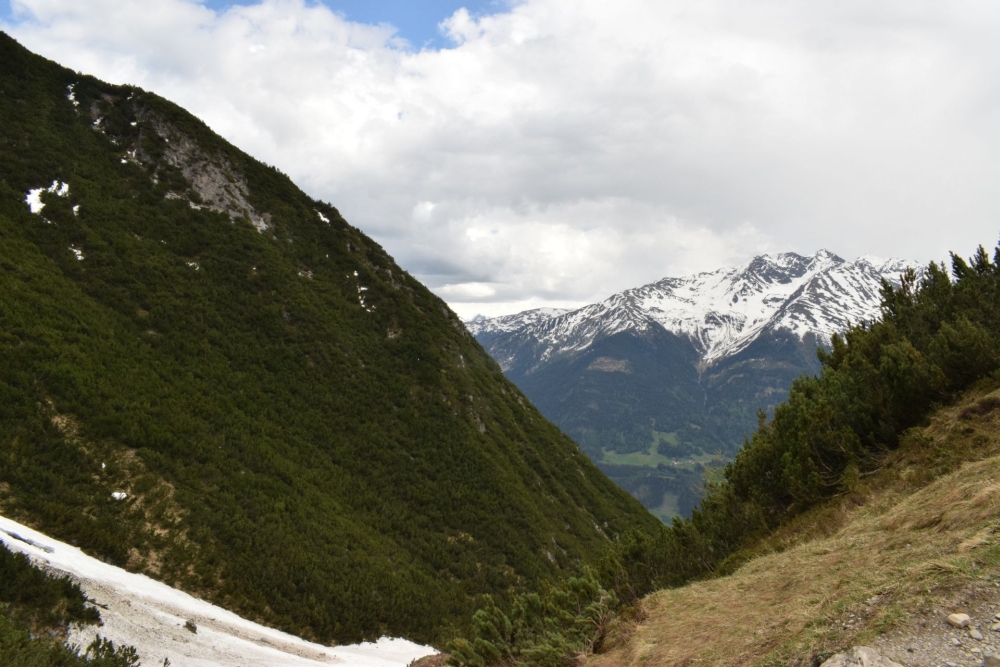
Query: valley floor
{"points": [[152, 616]]}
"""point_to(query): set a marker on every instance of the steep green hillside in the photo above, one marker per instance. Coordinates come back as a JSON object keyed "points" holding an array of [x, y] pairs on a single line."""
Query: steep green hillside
{"points": [[303, 432], [880, 565]]}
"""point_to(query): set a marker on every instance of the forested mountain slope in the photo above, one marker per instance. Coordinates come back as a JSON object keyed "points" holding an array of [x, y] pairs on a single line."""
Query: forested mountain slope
{"points": [[209, 377]]}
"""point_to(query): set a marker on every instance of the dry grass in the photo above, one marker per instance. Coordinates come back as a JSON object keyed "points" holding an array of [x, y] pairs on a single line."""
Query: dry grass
{"points": [[150, 499], [906, 538]]}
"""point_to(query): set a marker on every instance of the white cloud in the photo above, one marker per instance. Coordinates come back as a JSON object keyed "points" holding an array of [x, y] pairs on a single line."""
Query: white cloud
{"points": [[563, 150]]}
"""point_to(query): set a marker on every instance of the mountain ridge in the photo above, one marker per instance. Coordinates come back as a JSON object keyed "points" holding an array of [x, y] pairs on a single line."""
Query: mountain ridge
{"points": [[694, 305]]}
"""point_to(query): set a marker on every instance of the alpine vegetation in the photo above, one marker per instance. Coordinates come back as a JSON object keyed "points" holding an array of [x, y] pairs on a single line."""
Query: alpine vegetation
{"points": [[211, 378]]}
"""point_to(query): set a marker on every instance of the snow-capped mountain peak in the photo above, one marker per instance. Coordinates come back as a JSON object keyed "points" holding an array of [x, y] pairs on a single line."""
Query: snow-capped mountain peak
{"points": [[720, 311]]}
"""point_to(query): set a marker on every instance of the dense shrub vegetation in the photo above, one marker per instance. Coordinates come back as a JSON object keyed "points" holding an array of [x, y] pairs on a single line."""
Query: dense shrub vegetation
{"points": [[336, 468], [937, 336], [541, 628], [34, 596], [19, 648]]}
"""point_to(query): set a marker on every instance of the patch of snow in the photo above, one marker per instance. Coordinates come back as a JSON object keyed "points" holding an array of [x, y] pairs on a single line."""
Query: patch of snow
{"points": [[71, 95], [34, 197], [34, 200], [78, 253], [76, 210], [361, 295], [119, 495], [323, 217], [194, 265], [151, 616]]}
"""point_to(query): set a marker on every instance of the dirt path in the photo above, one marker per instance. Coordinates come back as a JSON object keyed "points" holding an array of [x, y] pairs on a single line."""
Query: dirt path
{"points": [[928, 640]]}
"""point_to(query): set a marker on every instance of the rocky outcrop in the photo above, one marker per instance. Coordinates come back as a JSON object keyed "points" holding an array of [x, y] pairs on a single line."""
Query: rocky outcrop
{"points": [[220, 187], [860, 656]]}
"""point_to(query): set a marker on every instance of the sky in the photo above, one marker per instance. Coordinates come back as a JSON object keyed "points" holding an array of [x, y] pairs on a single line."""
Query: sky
{"points": [[513, 154], [414, 20]]}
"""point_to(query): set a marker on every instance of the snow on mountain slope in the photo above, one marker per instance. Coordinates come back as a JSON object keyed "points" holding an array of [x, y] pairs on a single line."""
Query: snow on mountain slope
{"points": [[847, 292], [720, 311], [151, 616], [480, 325]]}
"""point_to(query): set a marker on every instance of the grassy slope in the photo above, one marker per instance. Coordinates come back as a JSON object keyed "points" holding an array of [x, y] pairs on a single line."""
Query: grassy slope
{"points": [[337, 471], [913, 534]]}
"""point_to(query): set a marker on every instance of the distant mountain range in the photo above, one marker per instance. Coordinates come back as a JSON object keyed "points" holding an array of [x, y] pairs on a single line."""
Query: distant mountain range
{"points": [[660, 381]]}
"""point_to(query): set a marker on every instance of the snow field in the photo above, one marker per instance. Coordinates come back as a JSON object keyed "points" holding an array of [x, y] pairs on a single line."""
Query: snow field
{"points": [[151, 616]]}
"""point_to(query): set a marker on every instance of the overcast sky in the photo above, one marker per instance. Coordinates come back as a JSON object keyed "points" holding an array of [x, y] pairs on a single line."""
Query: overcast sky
{"points": [[552, 152]]}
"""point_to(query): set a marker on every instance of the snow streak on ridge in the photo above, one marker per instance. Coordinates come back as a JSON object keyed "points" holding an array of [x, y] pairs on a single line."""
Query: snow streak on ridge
{"points": [[506, 323]]}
